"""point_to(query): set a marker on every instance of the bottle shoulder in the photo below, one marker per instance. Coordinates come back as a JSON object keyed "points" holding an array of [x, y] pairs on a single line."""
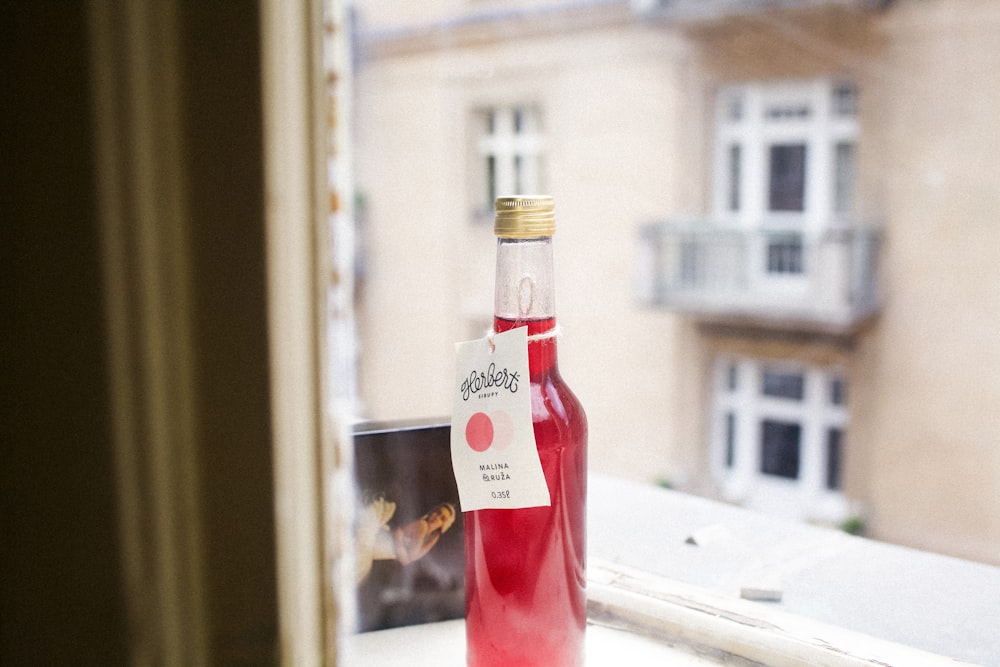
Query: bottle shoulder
{"points": [[556, 409]]}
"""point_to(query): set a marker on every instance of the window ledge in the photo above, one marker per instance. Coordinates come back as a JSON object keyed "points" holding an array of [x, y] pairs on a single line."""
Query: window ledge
{"points": [[725, 630], [678, 567], [437, 644], [675, 579], [654, 620]]}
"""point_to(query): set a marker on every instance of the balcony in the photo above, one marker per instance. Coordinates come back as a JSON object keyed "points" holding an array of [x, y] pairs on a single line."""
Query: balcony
{"points": [[770, 276]]}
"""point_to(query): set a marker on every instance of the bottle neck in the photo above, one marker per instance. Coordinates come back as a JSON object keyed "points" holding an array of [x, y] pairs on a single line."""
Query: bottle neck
{"points": [[525, 296], [524, 280]]}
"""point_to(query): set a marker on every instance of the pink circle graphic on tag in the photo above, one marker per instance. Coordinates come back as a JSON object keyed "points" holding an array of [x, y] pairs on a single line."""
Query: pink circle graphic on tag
{"points": [[479, 432], [503, 429]]}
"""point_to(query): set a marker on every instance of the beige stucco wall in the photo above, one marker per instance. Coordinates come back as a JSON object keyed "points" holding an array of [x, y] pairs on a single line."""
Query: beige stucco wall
{"points": [[627, 125], [931, 369]]}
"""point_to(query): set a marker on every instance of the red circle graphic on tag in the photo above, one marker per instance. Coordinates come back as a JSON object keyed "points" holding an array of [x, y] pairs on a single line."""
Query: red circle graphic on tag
{"points": [[479, 432]]}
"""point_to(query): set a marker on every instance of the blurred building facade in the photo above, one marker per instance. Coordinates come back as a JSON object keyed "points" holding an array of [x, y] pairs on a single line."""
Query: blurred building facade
{"points": [[777, 243]]}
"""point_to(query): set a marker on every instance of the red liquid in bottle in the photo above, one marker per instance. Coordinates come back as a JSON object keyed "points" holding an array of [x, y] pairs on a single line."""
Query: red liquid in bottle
{"points": [[525, 569]]}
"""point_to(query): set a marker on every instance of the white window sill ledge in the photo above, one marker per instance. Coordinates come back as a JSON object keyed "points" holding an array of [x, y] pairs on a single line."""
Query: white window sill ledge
{"points": [[725, 630], [828, 581], [443, 644], [659, 599], [655, 621]]}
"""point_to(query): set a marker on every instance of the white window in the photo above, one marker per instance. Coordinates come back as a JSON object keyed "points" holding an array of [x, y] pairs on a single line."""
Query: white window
{"points": [[778, 436], [785, 165], [509, 148]]}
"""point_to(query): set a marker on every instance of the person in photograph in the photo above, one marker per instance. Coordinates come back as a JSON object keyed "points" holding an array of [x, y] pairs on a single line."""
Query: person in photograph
{"points": [[376, 540], [416, 538]]}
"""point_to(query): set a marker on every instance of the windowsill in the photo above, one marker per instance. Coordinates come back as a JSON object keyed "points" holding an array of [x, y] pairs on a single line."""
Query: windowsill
{"points": [[438, 644], [668, 572], [840, 595]]}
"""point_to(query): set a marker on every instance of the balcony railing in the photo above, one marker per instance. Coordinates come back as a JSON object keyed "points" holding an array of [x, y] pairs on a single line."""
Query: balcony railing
{"points": [[769, 275], [695, 10]]}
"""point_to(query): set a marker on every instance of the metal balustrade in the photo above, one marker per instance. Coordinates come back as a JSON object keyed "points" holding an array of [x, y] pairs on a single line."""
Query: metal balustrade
{"points": [[771, 274]]}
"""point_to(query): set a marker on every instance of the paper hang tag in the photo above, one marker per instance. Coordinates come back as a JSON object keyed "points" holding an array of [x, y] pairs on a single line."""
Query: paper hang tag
{"points": [[493, 447]]}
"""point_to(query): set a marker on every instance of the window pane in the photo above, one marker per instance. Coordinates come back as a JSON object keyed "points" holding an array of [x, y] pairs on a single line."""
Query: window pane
{"points": [[491, 183], [730, 439], [732, 377], [783, 385], [834, 447], [838, 391], [689, 263], [735, 167], [787, 177], [734, 107], [843, 178], [780, 443], [845, 99]]}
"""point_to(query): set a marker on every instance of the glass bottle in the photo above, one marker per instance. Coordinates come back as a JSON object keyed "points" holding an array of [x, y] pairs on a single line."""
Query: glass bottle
{"points": [[525, 576]]}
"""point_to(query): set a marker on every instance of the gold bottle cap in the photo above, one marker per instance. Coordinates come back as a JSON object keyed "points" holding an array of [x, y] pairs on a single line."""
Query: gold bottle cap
{"points": [[524, 217]]}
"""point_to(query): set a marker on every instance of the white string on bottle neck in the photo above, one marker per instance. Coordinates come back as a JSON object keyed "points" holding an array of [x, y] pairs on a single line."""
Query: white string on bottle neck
{"points": [[545, 335]]}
